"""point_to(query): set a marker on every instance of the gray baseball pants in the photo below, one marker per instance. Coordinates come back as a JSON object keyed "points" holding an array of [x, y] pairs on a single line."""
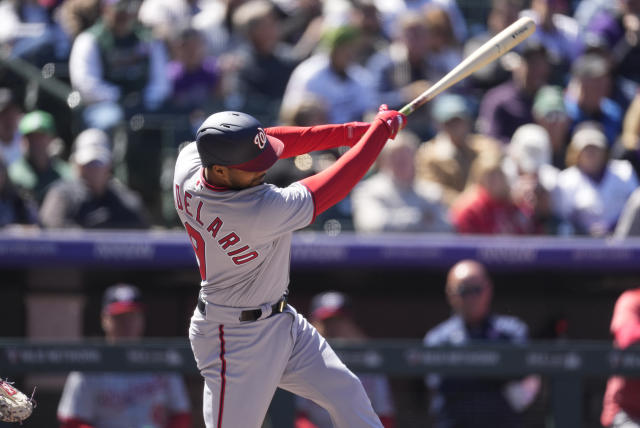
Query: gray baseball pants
{"points": [[244, 363]]}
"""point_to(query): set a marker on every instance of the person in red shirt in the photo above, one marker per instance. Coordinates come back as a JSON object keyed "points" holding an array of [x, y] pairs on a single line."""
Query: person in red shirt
{"points": [[621, 404], [486, 206]]}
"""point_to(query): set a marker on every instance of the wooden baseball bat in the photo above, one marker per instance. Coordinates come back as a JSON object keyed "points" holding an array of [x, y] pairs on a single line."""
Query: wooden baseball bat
{"points": [[497, 46]]}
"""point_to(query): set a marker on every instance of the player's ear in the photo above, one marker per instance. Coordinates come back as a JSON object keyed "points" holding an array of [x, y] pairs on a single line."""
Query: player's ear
{"points": [[219, 170], [217, 175]]}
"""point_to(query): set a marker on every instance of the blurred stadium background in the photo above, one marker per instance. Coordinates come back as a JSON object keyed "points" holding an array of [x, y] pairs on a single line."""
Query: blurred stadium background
{"points": [[563, 289], [51, 284]]}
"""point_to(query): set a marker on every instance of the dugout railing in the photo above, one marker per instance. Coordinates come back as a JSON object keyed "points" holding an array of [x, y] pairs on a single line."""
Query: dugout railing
{"points": [[565, 364]]}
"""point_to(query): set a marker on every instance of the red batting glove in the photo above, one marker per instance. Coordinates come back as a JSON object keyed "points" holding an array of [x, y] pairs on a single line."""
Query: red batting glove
{"points": [[394, 120]]}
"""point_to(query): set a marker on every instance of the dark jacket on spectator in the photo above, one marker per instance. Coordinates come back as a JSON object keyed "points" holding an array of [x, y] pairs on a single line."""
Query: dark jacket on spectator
{"points": [[503, 110], [473, 402], [71, 204]]}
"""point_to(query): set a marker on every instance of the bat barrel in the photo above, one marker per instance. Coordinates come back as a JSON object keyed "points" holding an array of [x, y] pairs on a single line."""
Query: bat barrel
{"points": [[497, 46]]}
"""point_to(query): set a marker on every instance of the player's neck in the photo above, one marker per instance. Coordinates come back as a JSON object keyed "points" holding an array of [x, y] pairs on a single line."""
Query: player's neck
{"points": [[213, 178]]}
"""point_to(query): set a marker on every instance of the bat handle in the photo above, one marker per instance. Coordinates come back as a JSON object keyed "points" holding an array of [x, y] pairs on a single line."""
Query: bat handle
{"points": [[417, 102], [407, 110]]}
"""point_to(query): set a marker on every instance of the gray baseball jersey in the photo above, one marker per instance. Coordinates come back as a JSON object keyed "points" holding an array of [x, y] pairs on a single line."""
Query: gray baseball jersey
{"points": [[245, 234], [242, 240]]}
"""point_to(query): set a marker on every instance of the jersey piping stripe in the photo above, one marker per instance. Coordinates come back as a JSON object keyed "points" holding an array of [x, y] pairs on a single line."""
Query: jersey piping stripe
{"points": [[211, 186], [223, 372]]}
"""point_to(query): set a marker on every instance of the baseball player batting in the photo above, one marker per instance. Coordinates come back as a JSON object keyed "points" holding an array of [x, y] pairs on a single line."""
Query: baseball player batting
{"points": [[246, 339]]}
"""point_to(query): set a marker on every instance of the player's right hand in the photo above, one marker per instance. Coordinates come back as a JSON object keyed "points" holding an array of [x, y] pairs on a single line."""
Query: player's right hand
{"points": [[394, 120]]}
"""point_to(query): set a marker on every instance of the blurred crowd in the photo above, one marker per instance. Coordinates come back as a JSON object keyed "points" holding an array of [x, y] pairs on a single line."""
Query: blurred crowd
{"points": [[545, 140]]}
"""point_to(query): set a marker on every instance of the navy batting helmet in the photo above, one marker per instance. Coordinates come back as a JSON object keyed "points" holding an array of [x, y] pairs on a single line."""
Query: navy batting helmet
{"points": [[236, 140]]}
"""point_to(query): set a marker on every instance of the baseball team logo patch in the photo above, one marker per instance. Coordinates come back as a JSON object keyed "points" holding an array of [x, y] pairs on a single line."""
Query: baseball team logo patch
{"points": [[260, 139], [6, 389]]}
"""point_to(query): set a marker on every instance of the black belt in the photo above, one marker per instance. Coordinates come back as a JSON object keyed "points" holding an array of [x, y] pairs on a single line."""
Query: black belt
{"points": [[253, 314]]}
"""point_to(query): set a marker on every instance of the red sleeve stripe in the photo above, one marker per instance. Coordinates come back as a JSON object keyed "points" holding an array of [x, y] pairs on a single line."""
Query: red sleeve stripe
{"points": [[223, 372]]}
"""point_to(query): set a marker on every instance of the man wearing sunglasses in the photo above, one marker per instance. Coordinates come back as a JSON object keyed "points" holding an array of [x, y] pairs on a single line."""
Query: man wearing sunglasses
{"points": [[478, 401]]}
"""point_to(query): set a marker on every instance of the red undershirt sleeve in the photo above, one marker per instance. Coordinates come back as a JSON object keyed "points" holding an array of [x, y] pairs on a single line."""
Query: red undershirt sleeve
{"points": [[334, 183], [299, 140]]}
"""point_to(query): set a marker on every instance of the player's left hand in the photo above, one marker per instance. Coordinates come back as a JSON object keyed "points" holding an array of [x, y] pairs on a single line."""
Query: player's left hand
{"points": [[14, 405], [394, 120]]}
